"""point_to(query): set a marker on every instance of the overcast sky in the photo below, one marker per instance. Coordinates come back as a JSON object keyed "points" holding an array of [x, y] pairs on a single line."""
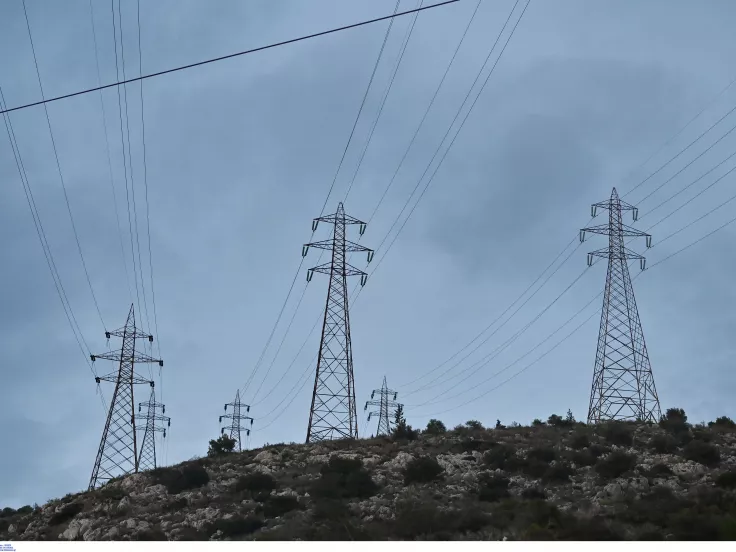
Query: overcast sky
{"points": [[240, 156]]}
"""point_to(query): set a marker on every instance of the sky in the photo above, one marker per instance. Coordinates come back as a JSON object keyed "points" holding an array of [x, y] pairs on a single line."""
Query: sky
{"points": [[240, 156]]}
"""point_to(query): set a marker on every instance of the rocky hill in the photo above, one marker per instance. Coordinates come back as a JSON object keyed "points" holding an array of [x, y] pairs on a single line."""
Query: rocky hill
{"points": [[554, 480]]}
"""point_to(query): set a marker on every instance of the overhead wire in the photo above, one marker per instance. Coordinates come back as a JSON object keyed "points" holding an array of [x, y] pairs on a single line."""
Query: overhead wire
{"points": [[58, 167], [107, 147], [329, 192], [229, 56]]}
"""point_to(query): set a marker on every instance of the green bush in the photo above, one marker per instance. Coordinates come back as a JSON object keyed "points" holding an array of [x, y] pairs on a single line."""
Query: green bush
{"points": [[422, 470], [723, 421], [152, 534], [580, 441], [222, 445], [582, 458], [112, 493], [534, 493], [702, 452], [276, 506], [7, 512], [255, 482], [435, 427], [493, 488], [618, 433], [615, 464], [543, 454], [503, 457], [469, 444], [24, 510], [537, 422], [474, 425], [674, 421], [66, 513], [236, 526], [663, 444], [344, 478], [559, 472], [177, 480], [659, 470], [727, 480]]}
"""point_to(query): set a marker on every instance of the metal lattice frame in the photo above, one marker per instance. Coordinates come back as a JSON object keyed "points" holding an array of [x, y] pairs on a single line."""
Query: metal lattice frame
{"points": [[386, 408], [117, 454], [623, 385], [237, 418], [333, 414], [147, 456]]}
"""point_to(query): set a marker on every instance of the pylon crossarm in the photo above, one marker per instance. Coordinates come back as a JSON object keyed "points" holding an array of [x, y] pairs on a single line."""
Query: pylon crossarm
{"points": [[605, 230], [117, 355], [625, 254], [607, 204], [128, 332], [113, 378], [333, 218]]}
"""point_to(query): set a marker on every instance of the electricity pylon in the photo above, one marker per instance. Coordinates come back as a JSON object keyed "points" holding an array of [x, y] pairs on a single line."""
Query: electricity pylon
{"points": [[623, 384], [117, 454], [147, 456], [333, 414], [386, 408], [235, 427]]}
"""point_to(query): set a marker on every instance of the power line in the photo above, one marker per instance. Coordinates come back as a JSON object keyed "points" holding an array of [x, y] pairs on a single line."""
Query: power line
{"points": [[229, 56], [324, 205], [58, 166], [107, 148]]}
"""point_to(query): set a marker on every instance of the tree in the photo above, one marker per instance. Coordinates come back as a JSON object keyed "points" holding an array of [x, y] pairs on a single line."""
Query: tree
{"points": [[401, 429], [222, 445], [499, 425], [435, 427], [474, 424]]}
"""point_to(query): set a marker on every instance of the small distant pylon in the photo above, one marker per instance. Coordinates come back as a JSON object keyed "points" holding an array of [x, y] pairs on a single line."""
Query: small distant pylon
{"points": [[236, 427], [386, 408], [117, 454], [623, 384], [147, 457], [333, 414]]}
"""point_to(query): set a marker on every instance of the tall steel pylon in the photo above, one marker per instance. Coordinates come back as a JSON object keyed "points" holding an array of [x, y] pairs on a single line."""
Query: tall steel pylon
{"points": [[386, 408], [237, 418], [333, 414], [147, 456], [117, 454], [623, 384]]}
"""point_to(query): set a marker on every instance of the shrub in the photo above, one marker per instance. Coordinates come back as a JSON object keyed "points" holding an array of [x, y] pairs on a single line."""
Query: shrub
{"points": [[543, 454], [469, 444], [503, 457], [723, 421], [618, 433], [615, 464], [236, 526], [180, 480], [474, 425], [276, 506], [534, 493], [559, 472], [597, 450], [66, 513], [112, 493], [583, 458], [23, 510], [222, 445], [435, 427], [674, 421], [727, 480], [415, 518], [702, 452], [153, 534], [537, 422], [580, 441], [422, 470], [493, 488], [344, 478], [7, 512], [558, 421], [499, 425], [663, 444], [255, 482], [659, 470]]}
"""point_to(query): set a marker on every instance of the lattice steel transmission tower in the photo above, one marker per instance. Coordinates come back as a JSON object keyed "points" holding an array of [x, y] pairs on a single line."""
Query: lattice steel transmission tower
{"points": [[118, 451], [147, 456], [237, 418], [387, 406], [333, 414], [623, 384]]}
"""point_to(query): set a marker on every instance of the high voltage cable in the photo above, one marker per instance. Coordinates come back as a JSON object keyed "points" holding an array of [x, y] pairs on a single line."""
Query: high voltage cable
{"points": [[380, 261], [329, 192], [405, 43], [431, 103], [48, 255], [567, 322], [58, 167], [107, 148], [229, 56]]}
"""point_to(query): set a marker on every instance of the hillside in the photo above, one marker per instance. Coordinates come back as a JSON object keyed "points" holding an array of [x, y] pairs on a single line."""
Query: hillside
{"points": [[557, 480]]}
